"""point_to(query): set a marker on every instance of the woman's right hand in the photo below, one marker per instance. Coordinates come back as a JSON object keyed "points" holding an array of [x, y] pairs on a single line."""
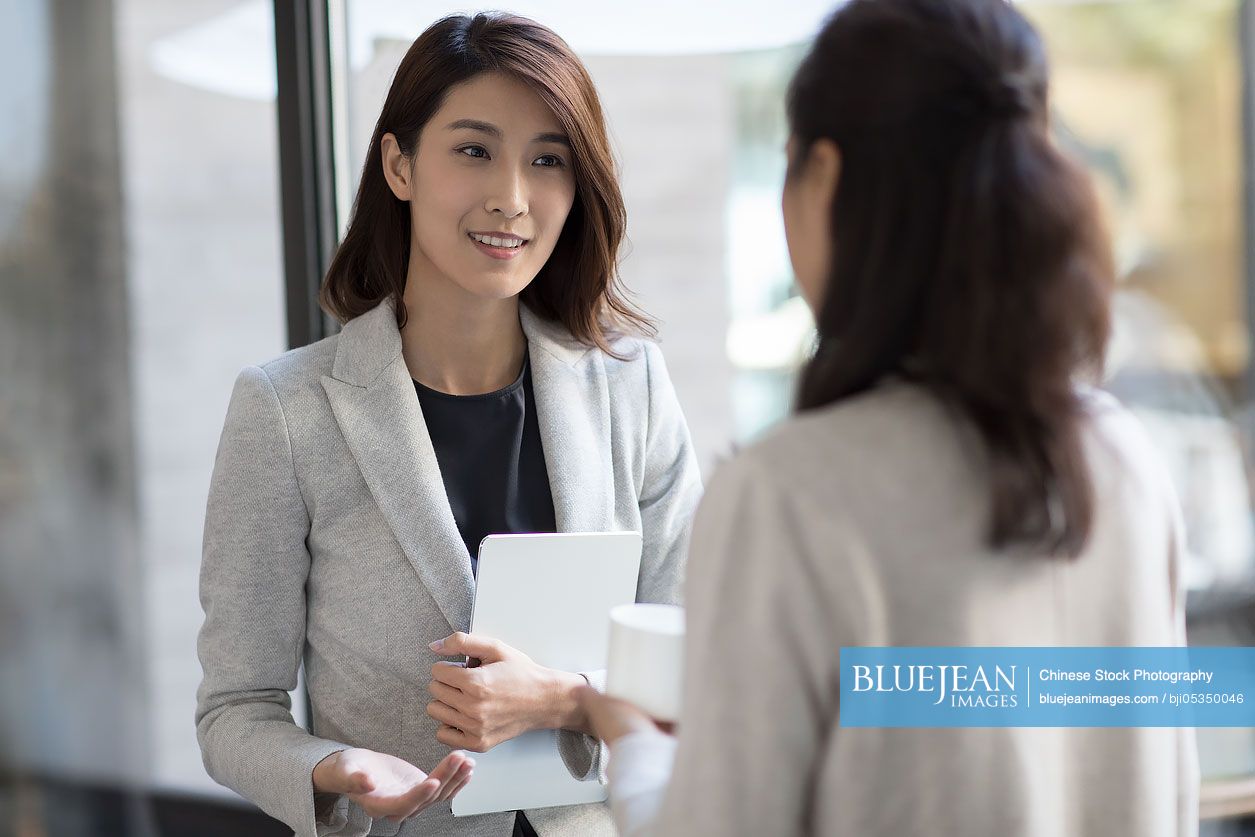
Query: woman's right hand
{"points": [[389, 787]]}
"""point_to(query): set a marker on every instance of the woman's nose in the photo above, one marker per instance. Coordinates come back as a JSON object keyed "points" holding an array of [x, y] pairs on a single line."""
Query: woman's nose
{"points": [[509, 195]]}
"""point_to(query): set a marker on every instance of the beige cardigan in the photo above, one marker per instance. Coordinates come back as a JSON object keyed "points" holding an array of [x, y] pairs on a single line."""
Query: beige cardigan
{"points": [[863, 524]]}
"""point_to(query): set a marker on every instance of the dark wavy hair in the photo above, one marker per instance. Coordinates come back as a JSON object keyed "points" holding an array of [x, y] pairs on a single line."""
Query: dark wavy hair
{"points": [[969, 256], [579, 284]]}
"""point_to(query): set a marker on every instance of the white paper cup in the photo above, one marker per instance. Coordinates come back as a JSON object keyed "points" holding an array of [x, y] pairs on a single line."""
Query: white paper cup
{"points": [[646, 657]]}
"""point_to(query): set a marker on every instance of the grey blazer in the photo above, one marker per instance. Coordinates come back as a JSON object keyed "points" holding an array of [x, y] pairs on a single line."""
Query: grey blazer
{"points": [[329, 540]]}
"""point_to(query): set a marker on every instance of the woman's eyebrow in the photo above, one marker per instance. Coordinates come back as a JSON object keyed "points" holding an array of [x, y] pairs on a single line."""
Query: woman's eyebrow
{"points": [[560, 139], [475, 125], [493, 131]]}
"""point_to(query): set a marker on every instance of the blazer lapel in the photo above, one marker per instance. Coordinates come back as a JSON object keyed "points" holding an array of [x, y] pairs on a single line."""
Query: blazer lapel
{"points": [[373, 399], [573, 412]]}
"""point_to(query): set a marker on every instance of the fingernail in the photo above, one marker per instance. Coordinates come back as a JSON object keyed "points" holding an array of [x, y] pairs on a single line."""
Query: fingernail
{"points": [[437, 645]]}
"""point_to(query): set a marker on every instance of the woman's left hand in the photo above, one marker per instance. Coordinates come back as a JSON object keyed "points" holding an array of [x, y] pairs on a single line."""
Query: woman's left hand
{"points": [[504, 696], [612, 718]]}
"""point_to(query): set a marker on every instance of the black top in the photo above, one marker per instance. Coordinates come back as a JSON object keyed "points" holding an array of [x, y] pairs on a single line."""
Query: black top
{"points": [[491, 460]]}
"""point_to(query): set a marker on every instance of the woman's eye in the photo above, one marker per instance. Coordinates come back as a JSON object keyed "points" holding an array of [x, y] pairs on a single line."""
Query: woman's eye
{"points": [[552, 161], [474, 151]]}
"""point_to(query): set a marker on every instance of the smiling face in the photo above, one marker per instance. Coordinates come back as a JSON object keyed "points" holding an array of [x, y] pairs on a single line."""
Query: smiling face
{"points": [[490, 186]]}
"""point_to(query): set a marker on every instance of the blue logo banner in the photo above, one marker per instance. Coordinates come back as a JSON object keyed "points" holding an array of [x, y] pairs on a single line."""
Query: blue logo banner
{"points": [[1048, 687]]}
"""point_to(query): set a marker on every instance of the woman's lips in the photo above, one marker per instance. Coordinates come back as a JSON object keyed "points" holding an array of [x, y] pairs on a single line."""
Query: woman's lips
{"points": [[503, 253]]}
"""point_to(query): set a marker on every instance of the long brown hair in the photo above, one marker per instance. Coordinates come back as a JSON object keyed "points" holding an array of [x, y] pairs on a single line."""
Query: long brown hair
{"points": [[968, 253], [579, 285]]}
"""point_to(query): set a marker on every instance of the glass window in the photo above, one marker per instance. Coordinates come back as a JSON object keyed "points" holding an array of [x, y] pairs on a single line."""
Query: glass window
{"points": [[204, 279], [1149, 97], [139, 272]]}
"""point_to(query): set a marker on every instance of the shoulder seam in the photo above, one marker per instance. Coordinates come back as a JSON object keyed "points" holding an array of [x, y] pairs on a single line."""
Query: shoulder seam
{"points": [[287, 434]]}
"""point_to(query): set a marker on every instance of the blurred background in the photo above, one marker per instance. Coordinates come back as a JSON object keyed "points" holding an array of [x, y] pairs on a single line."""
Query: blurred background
{"points": [[174, 176]]}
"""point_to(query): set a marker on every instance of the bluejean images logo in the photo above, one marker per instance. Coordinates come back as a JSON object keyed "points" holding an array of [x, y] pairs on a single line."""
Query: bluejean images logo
{"points": [[1047, 687], [964, 686]]}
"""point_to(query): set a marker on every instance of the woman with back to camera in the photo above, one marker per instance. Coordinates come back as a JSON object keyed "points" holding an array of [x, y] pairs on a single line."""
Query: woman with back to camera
{"points": [[485, 381], [947, 481]]}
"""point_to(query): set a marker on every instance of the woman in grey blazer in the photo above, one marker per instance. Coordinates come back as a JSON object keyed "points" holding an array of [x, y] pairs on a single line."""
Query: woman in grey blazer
{"points": [[486, 380], [947, 480]]}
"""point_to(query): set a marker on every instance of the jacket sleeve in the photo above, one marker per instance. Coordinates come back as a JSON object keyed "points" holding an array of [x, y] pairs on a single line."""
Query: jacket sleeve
{"points": [[252, 589], [671, 486]]}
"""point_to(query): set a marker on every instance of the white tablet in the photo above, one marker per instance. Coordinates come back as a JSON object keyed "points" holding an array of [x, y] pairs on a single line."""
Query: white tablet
{"points": [[548, 595]]}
